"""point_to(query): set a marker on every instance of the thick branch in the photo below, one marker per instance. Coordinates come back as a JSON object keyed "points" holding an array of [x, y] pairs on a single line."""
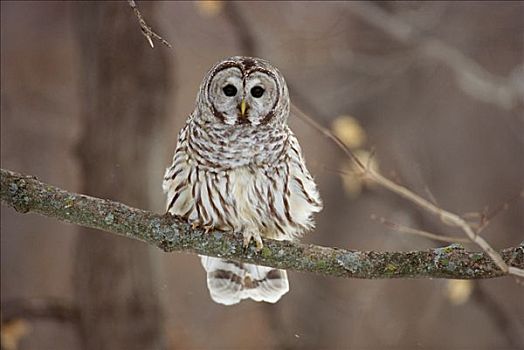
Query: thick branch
{"points": [[26, 193]]}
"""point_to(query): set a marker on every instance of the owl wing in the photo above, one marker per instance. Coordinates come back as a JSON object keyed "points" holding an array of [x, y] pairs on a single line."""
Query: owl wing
{"points": [[302, 194], [230, 282], [176, 184]]}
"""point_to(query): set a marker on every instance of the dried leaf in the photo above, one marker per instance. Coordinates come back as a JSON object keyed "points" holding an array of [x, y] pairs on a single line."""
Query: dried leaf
{"points": [[349, 131], [458, 291], [209, 8], [12, 332]]}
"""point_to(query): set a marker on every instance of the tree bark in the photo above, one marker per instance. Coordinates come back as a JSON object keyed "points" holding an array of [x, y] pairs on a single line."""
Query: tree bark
{"points": [[124, 87]]}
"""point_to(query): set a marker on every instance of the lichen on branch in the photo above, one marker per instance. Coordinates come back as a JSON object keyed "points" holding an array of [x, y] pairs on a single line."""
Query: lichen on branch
{"points": [[27, 194]]}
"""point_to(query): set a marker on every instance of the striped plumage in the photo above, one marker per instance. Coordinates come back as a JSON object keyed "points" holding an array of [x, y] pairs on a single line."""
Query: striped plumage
{"points": [[238, 167]]}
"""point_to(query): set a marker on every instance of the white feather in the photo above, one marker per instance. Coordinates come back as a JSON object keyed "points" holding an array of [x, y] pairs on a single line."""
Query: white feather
{"points": [[229, 291]]}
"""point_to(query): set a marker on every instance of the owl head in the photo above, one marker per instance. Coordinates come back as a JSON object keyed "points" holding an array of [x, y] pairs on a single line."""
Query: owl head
{"points": [[243, 91]]}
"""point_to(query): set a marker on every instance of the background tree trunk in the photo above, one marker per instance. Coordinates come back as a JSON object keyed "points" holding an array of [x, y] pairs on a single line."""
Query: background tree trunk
{"points": [[124, 84]]}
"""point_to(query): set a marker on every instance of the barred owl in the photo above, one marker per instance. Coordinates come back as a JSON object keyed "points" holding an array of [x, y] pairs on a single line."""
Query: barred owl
{"points": [[239, 168]]}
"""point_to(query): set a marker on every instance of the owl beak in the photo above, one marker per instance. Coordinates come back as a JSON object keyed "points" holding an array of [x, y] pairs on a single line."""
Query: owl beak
{"points": [[243, 108]]}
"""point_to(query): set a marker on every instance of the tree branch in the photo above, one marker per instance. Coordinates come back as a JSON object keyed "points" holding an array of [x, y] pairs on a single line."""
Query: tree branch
{"points": [[148, 33], [471, 76], [27, 194], [446, 217]]}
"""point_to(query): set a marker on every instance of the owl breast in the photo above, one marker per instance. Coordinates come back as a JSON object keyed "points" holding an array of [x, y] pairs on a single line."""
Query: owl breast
{"points": [[276, 199]]}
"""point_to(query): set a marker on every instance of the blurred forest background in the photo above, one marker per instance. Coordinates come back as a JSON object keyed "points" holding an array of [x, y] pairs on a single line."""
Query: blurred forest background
{"points": [[435, 88]]}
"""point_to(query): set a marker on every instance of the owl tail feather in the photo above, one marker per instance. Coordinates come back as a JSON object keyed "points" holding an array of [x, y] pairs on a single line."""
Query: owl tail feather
{"points": [[230, 282]]}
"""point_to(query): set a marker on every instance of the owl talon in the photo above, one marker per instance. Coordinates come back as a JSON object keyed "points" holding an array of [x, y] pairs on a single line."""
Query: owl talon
{"points": [[208, 228], [253, 236], [195, 225], [259, 244]]}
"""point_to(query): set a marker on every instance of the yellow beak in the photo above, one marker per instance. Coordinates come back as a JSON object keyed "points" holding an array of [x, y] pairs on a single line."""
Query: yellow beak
{"points": [[243, 107]]}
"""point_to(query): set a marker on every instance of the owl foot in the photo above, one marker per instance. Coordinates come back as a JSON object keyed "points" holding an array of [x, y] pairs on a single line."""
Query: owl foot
{"points": [[208, 228], [248, 236], [195, 225]]}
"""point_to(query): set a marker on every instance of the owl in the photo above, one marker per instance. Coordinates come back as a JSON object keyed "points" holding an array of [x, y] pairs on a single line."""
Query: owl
{"points": [[238, 168]]}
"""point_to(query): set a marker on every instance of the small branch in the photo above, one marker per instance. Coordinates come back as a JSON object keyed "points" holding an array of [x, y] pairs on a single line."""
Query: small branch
{"points": [[471, 76], [146, 29], [474, 80], [26, 193], [445, 216], [412, 231], [485, 217]]}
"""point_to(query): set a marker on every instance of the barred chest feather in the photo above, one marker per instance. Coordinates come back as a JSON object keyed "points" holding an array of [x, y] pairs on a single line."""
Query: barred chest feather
{"points": [[276, 198]]}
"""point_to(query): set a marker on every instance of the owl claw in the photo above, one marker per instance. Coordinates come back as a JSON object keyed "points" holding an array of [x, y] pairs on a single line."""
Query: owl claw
{"points": [[208, 228], [195, 224], [253, 236]]}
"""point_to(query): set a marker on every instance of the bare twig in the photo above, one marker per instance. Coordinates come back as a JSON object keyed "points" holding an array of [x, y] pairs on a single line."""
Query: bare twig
{"points": [[461, 64], [445, 216], [146, 29], [471, 76], [297, 112], [431, 197], [26, 193], [412, 231], [485, 217]]}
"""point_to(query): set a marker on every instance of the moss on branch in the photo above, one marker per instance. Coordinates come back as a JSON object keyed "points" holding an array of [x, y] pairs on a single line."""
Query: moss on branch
{"points": [[27, 194]]}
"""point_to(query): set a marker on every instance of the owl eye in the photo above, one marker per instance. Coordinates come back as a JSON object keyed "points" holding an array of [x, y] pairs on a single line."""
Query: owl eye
{"points": [[257, 91], [230, 90]]}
